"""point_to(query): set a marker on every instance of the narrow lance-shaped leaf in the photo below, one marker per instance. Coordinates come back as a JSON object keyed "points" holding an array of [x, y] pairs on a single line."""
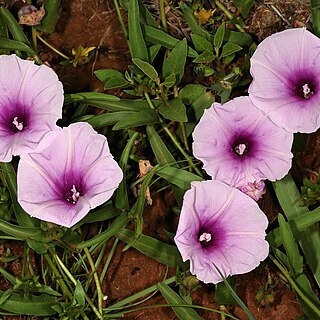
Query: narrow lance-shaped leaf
{"points": [[146, 68], [12, 45], [175, 62], [173, 110], [158, 36], [153, 248], [288, 196], [294, 257], [160, 150], [219, 36], [137, 44], [141, 118], [13, 26], [173, 299], [122, 192]]}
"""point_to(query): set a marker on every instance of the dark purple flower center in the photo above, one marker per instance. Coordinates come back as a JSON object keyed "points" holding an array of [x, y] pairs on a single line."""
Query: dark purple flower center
{"points": [[18, 123], [241, 147], [205, 238], [304, 89], [73, 194]]}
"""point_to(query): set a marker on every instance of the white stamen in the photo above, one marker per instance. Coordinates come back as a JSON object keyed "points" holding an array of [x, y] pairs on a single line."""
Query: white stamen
{"points": [[205, 237], [75, 194], [306, 90], [240, 149], [19, 125]]}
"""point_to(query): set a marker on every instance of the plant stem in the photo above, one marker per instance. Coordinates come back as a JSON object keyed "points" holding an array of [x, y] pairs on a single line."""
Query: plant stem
{"points": [[228, 14], [51, 47], [124, 30], [163, 15], [173, 139], [96, 279], [294, 285], [56, 273]]}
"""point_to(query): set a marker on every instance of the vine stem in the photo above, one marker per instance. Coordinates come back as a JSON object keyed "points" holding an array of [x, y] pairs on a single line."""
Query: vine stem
{"points": [[74, 281], [51, 47], [124, 30], [163, 15], [173, 139], [228, 14], [294, 285], [96, 279]]}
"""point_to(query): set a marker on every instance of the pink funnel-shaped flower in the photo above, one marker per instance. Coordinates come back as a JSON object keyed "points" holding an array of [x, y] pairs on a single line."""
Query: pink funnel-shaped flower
{"points": [[71, 172], [238, 144], [30, 105], [219, 225], [286, 79]]}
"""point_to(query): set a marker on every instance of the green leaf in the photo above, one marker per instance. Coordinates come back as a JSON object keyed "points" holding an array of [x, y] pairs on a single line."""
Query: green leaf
{"points": [[48, 24], [200, 43], [240, 38], [79, 294], [153, 248], [193, 23], [106, 101], [223, 295], [111, 78], [137, 44], [116, 225], [158, 36], [173, 110], [12, 45], [160, 150], [206, 56], [236, 297], [289, 196], [294, 257], [219, 36], [183, 313], [146, 68], [105, 213], [122, 201], [178, 177], [315, 10], [105, 119], [175, 62], [229, 48], [297, 225], [153, 51], [23, 233], [244, 6], [141, 118], [189, 93], [170, 81], [204, 101], [29, 304], [13, 26]]}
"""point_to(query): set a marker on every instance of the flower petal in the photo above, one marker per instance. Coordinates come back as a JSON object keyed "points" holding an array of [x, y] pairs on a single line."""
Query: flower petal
{"points": [[221, 126], [71, 172], [31, 96], [280, 66], [236, 224]]}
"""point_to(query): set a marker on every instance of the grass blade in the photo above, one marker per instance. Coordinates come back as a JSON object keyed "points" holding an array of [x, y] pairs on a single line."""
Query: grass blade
{"points": [[174, 299]]}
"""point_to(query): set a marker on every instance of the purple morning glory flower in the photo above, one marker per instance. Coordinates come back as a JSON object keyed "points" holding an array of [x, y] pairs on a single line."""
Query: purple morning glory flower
{"points": [[286, 83], [71, 172], [30, 105], [238, 144], [219, 225]]}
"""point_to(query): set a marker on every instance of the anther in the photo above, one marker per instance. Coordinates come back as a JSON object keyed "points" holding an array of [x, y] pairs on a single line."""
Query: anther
{"points": [[19, 125]]}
